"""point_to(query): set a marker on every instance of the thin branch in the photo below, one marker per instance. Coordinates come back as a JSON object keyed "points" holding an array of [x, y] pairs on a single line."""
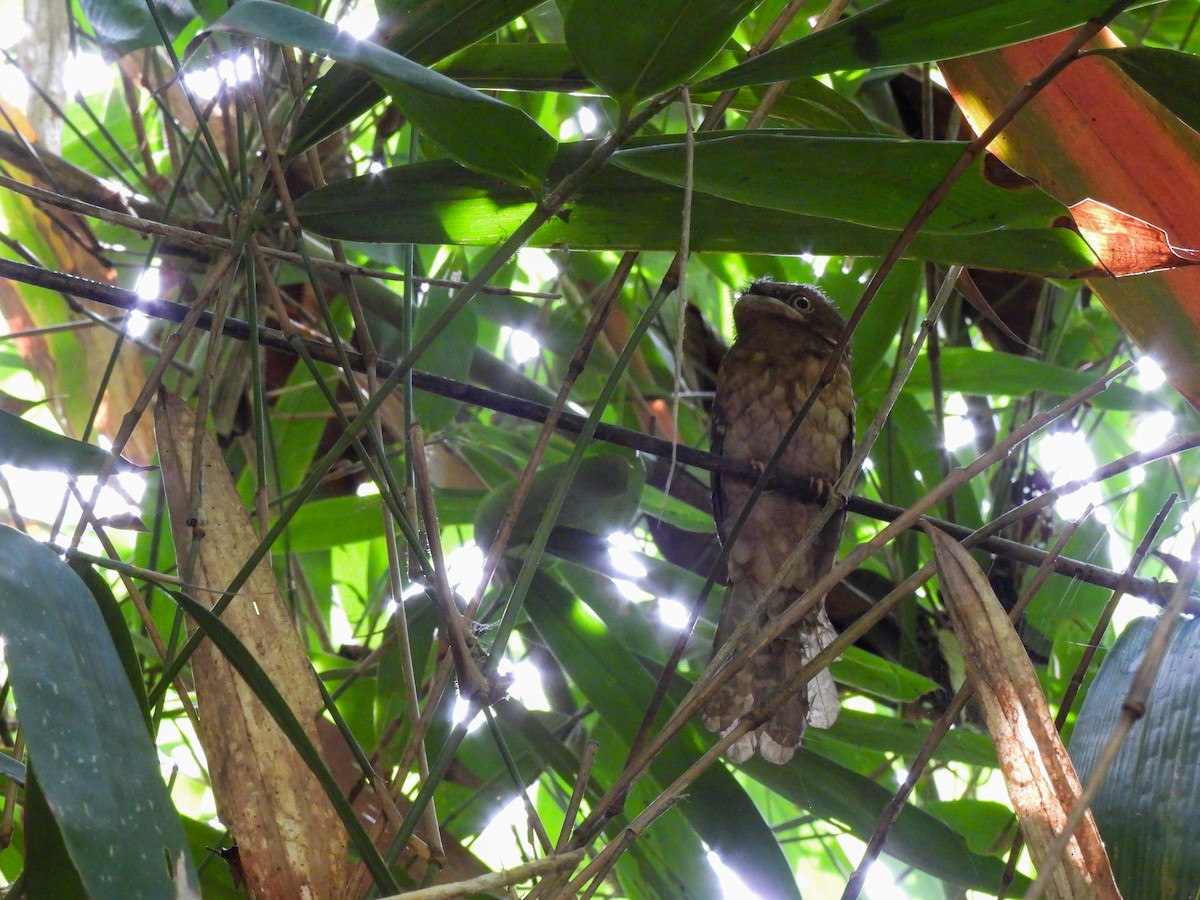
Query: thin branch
{"points": [[1132, 710], [493, 881], [195, 238], [1085, 661], [713, 679], [571, 423], [941, 728]]}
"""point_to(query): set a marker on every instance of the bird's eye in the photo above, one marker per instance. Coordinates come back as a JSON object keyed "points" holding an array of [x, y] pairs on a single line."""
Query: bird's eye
{"points": [[801, 302]]}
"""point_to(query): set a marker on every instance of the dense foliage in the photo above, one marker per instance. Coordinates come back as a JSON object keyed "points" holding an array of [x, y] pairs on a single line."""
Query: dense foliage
{"points": [[511, 214]]}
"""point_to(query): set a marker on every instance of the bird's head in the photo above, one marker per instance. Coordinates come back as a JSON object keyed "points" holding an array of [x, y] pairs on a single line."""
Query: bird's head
{"points": [[777, 304]]}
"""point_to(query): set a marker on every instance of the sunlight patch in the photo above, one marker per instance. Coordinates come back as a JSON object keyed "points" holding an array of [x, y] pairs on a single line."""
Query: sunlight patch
{"points": [[1067, 456], [629, 590], [535, 267], [86, 73], [522, 346], [206, 83], [1150, 375], [462, 707], [464, 568], [527, 686], [958, 427], [621, 547], [359, 22], [673, 613], [1152, 430], [731, 883]]}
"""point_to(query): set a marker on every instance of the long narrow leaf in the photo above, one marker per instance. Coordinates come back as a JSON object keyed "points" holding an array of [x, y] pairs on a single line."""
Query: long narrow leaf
{"points": [[901, 32], [484, 134], [84, 729]]}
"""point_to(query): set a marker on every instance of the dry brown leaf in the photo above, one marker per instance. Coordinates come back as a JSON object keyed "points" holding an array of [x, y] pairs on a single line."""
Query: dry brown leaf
{"points": [[1093, 134], [1128, 245], [1040, 777], [70, 364], [291, 841]]}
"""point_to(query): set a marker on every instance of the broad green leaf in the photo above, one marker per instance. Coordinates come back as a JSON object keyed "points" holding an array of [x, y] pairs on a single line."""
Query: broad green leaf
{"points": [[874, 675], [620, 688], [1169, 76], [900, 32], [984, 823], [49, 870], [516, 67], [996, 374], [676, 512], [618, 210], [634, 50], [423, 32], [30, 446], [118, 631], [877, 332], [1148, 809], [484, 134], [906, 738], [603, 498], [86, 735], [918, 839], [799, 173], [449, 355], [127, 25]]}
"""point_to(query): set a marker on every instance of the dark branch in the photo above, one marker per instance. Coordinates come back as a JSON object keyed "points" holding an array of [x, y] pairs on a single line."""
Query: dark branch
{"points": [[571, 423]]}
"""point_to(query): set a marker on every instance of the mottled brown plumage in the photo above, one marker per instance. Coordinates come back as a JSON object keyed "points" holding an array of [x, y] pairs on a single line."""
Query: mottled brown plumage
{"points": [[785, 333]]}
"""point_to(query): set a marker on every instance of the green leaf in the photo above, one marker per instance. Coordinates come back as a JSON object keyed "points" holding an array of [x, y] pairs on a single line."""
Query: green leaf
{"points": [[118, 632], [449, 355], [874, 675], [676, 512], [428, 33], [919, 839], [49, 870], [516, 67], [30, 446], [799, 173], [984, 823], [602, 498], [126, 25], [86, 735], [484, 134], [1148, 809], [634, 50], [620, 688], [1169, 76], [877, 332], [617, 210], [991, 373], [906, 737], [900, 32]]}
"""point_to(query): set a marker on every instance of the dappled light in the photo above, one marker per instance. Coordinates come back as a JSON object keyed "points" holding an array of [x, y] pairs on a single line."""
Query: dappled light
{"points": [[596, 448]]}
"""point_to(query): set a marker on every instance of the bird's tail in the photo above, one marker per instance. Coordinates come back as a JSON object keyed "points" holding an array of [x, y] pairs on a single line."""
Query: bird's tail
{"points": [[777, 738]]}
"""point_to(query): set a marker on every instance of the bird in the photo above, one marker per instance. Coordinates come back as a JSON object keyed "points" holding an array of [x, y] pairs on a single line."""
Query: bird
{"points": [[785, 334]]}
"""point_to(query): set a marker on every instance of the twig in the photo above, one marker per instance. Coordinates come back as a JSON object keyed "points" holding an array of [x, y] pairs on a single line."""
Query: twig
{"points": [[1068, 699], [887, 818], [194, 238], [571, 423], [697, 697], [472, 682], [1132, 710], [494, 880]]}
